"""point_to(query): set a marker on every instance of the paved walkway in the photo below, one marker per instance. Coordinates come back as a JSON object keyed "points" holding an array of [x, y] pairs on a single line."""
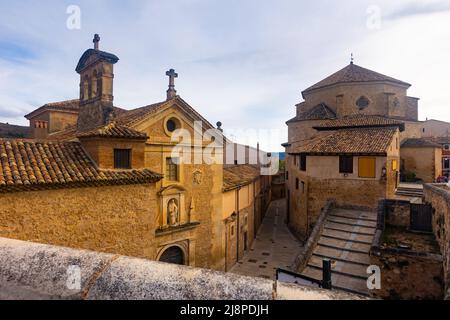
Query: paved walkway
{"points": [[274, 247]]}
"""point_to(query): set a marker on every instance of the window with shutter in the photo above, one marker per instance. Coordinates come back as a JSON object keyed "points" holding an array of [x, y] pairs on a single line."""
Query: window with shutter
{"points": [[367, 167]]}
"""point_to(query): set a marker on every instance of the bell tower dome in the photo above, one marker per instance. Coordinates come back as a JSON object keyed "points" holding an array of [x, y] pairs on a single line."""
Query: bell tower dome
{"points": [[96, 70]]}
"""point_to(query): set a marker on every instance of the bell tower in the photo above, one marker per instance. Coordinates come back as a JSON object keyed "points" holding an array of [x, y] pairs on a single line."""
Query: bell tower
{"points": [[96, 70]]}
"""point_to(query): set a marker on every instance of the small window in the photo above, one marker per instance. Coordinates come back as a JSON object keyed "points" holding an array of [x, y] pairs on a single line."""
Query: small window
{"points": [[171, 169], [362, 103], [122, 158], [287, 175], [232, 230], [367, 167], [446, 147], [446, 163], [296, 183], [345, 164], [303, 162]]}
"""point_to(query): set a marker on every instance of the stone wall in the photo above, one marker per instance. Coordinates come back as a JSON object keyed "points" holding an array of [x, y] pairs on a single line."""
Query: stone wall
{"points": [[105, 219], [426, 163], [439, 198], [35, 271], [398, 213]]}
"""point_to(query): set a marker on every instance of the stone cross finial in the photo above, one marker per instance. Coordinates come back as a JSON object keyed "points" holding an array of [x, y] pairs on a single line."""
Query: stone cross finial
{"points": [[96, 41], [352, 59], [171, 92]]}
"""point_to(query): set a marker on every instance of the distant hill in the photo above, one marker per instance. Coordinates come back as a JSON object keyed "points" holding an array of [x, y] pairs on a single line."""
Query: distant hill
{"points": [[12, 131], [281, 155]]}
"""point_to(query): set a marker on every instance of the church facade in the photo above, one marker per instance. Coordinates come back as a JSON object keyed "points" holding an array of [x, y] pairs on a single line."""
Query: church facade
{"points": [[345, 144], [163, 205]]}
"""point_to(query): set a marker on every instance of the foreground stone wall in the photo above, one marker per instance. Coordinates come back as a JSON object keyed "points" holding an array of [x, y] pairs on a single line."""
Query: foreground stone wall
{"points": [[439, 198], [36, 271]]}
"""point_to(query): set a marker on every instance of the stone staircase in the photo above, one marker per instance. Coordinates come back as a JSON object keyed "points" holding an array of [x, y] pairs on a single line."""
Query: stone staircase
{"points": [[410, 190], [346, 240]]}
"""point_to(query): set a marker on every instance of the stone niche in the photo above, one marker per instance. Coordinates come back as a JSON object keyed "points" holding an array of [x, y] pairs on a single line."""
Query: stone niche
{"points": [[173, 211]]}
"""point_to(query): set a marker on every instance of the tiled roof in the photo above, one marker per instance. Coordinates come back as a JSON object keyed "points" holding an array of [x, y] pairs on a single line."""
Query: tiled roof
{"points": [[114, 130], [348, 141], [419, 143], [240, 175], [31, 165], [354, 73], [68, 106], [132, 116], [319, 112], [360, 121]]}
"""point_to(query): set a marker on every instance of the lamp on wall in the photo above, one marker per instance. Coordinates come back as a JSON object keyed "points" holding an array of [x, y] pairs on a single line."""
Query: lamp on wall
{"points": [[383, 172]]}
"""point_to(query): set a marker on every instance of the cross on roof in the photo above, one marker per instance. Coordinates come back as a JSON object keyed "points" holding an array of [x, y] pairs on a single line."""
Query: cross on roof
{"points": [[96, 41], [172, 75], [352, 58]]}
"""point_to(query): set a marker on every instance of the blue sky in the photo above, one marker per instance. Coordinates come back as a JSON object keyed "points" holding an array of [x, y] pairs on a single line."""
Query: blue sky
{"points": [[243, 62]]}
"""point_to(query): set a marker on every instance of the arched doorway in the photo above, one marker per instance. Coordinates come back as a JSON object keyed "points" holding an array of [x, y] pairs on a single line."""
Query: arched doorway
{"points": [[174, 255]]}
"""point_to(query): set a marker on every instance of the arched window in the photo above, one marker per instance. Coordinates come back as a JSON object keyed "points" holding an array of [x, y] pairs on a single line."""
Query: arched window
{"points": [[86, 88], [94, 84], [174, 255]]}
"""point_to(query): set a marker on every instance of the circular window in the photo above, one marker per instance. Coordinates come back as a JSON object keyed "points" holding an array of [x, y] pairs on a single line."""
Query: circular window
{"points": [[171, 125], [362, 103]]}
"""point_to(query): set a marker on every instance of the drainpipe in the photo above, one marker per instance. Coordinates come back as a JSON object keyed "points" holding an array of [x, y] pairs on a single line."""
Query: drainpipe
{"points": [[238, 229], [226, 246]]}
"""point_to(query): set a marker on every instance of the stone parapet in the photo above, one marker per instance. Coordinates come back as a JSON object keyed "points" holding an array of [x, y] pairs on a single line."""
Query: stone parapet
{"points": [[36, 271]]}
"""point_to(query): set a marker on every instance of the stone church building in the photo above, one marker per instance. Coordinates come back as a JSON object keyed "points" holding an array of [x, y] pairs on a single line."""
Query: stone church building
{"points": [[103, 178], [345, 143]]}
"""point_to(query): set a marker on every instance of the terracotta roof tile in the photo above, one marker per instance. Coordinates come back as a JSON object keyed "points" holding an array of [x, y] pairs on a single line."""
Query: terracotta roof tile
{"points": [[239, 175], [319, 112], [114, 130], [348, 141], [132, 116], [420, 143], [360, 121], [354, 73], [30, 165], [68, 105]]}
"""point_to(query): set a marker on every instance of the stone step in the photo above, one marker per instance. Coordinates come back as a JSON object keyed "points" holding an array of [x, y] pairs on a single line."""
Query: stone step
{"points": [[355, 214], [345, 244], [342, 255], [356, 218], [341, 282], [352, 221], [341, 267], [345, 235], [352, 229]]}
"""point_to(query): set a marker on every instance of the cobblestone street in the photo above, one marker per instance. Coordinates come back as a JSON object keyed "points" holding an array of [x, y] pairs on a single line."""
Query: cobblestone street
{"points": [[274, 247]]}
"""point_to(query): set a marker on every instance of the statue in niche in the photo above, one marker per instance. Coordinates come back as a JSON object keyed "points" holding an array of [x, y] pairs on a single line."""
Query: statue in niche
{"points": [[198, 175], [173, 213]]}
